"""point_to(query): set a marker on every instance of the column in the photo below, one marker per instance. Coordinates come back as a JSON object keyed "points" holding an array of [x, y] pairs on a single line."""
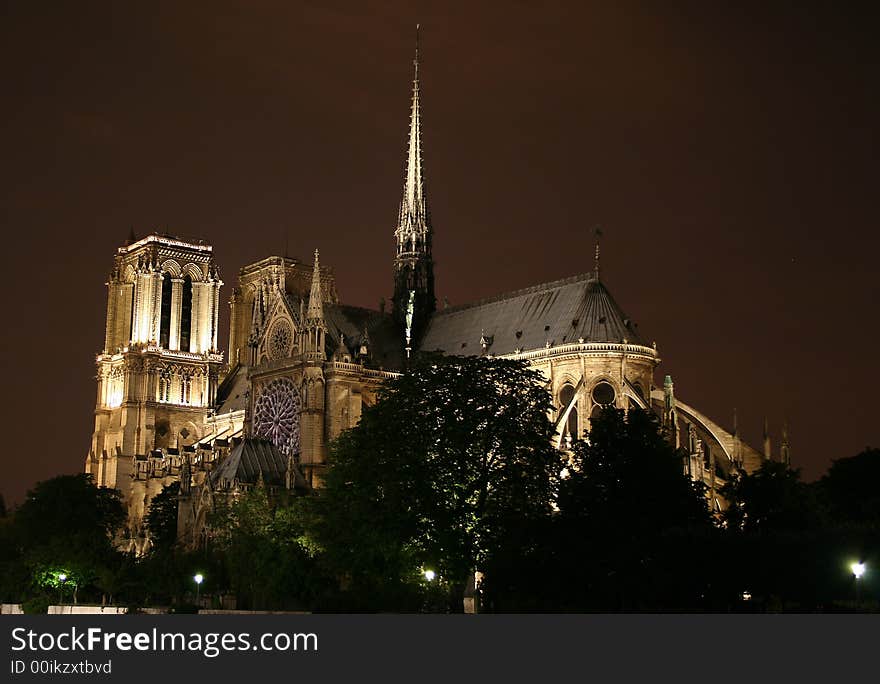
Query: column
{"points": [[195, 335], [124, 317], [112, 307], [137, 293], [156, 305], [215, 312], [233, 329]]}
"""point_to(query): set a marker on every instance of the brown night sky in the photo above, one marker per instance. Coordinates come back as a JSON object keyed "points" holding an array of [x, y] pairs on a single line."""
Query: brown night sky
{"points": [[730, 154]]}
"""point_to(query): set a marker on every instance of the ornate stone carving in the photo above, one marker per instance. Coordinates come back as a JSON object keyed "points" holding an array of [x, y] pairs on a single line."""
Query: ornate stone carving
{"points": [[280, 339], [277, 415]]}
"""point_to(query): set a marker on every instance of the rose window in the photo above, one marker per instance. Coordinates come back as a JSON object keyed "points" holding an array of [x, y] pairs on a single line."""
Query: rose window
{"points": [[276, 415], [280, 337]]}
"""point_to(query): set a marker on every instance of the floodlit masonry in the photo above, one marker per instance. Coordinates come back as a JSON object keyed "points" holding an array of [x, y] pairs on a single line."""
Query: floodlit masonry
{"points": [[301, 365]]}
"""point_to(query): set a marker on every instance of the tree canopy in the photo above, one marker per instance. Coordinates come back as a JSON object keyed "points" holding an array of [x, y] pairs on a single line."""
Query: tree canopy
{"points": [[453, 458]]}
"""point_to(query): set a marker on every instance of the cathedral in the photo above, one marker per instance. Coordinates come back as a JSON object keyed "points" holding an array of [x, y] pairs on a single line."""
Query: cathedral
{"points": [[301, 365]]}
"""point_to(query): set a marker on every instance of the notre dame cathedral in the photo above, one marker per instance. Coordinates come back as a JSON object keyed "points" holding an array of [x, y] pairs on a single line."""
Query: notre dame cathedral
{"points": [[301, 365]]}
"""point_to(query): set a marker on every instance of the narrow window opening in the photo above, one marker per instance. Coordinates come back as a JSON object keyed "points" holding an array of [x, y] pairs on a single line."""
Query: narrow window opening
{"points": [[186, 313]]}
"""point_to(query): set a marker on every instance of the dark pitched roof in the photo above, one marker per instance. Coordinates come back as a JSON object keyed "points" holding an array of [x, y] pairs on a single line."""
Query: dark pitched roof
{"points": [[559, 312], [231, 393], [386, 343], [251, 457]]}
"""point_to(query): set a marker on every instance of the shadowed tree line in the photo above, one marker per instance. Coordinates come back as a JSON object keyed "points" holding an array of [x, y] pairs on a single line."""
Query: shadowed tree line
{"points": [[449, 474]]}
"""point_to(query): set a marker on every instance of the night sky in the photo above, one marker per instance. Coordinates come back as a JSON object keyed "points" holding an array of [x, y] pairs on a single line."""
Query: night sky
{"points": [[729, 153]]}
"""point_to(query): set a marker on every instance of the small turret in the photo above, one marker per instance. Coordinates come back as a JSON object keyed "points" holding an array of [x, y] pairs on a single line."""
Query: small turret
{"points": [[785, 448], [315, 327]]}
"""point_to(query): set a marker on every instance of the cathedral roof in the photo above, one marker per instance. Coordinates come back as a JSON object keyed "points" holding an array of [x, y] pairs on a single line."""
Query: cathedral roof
{"points": [[385, 340], [251, 458], [559, 312], [231, 395]]}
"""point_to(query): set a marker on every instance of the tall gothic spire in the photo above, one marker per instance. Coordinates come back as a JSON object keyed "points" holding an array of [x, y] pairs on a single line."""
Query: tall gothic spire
{"points": [[414, 216], [316, 306], [413, 264]]}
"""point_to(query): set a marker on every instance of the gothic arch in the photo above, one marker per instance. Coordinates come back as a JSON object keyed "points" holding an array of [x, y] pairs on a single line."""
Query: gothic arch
{"points": [[172, 268], [194, 272]]}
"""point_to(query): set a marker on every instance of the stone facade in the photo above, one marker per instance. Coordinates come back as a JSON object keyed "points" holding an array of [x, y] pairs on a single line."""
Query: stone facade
{"points": [[301, 366]]}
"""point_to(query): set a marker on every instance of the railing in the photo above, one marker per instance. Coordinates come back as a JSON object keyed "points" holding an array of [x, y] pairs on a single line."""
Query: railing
{"points": [[360, 370], [588, 348]]}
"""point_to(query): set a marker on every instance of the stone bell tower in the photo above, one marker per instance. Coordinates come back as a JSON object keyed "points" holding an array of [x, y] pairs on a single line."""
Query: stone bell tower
{"points": [[158, 371]]}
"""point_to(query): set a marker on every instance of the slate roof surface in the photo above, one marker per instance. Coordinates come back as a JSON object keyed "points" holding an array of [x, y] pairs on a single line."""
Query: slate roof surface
{"points": [[231, 393], [385, 342], [251, 457], [559, 312]]}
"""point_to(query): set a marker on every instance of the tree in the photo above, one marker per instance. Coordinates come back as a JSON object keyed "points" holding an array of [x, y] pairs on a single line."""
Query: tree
{"points": [[850, 488], [772, 498], [269, 559], [453, 459], [779, 549], [161, 518], [65, 527], [71, 505], [632, 531]]}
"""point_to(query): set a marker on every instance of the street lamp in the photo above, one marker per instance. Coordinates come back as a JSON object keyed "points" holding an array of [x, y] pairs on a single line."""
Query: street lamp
{"points": [[199, 578], [430, 575], [858, 569], [62, 578]]}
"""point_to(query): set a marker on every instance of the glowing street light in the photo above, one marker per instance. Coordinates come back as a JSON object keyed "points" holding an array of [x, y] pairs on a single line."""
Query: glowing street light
{"points": [[430, 575], [199, 578], [62, 578], [858, 569]]}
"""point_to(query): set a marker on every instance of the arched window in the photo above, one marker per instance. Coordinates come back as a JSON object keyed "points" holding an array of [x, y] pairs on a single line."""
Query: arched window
{"points": [[165, 313], [566, 395], [186, 312]]}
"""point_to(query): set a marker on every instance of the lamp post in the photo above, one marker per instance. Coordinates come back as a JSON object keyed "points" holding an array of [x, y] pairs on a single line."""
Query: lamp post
{"points": [[62, 578], [430, 575], [858, 569], [199, 578]]}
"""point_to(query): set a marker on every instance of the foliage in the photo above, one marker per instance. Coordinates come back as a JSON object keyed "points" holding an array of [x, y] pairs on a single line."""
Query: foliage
{"points": [[629, 472], [161, 518], [64, 527], [850, 488], [71, 506], [770, 499], [446, 467], [268, 558], [631, 532]]}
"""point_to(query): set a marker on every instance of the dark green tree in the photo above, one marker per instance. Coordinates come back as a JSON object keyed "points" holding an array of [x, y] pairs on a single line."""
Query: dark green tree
{"points": [[772, 498], [65, 528], [71, 506], [850, 488], [633, 532], [161, 518], [447, 467], [268, 557], [779, 548]]}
